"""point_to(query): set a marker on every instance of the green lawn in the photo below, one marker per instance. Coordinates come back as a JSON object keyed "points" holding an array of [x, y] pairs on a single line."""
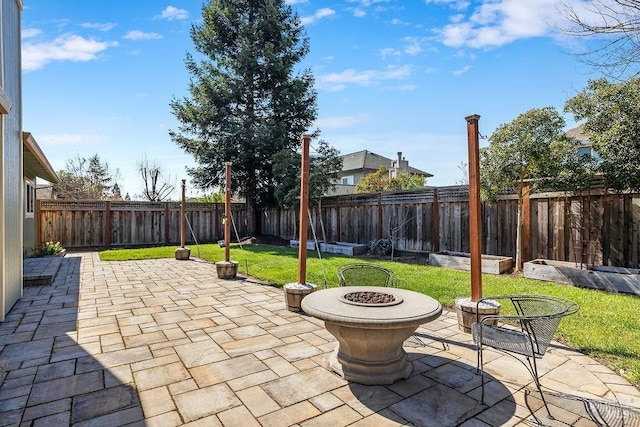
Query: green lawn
{"points": [[607, 327]]}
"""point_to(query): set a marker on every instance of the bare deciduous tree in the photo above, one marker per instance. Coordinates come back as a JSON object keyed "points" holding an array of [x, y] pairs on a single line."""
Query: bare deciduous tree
{"points": [[157, 185], [613, 30]]}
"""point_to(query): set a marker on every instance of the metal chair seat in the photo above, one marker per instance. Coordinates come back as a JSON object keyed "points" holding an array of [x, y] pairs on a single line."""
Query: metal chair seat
{"points": [[528, 332]]}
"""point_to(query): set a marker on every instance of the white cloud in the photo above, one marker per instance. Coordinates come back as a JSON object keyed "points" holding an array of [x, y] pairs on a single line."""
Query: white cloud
{"points": [[500, 22], [68, 47], [396, 21], [139, 35], [462, 70], [325, 12], [28, 33], [339, 122], [97, 26], [359, 13], [339, 81], [367, 3], [295, 1], [412, 45], [388, 51], [456, 4], [69, 139], [170, 13]]}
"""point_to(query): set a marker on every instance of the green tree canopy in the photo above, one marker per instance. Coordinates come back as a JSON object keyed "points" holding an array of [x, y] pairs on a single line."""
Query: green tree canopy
{"points": [[529, 152], [381, 181], [87, 179], [247, 99], [612, 114]]}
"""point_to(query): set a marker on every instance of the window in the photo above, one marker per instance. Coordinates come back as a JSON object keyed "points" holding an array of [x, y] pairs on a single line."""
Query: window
{"points": [[347, 180], [29, 199]]}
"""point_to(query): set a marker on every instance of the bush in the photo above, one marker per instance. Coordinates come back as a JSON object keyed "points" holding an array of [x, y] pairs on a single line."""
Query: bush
{"points": [[48, 248], [380, 247]]}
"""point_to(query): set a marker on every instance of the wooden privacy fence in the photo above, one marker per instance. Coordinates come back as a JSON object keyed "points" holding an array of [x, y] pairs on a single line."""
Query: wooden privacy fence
{"points": [[84, 224], [601, 228]]}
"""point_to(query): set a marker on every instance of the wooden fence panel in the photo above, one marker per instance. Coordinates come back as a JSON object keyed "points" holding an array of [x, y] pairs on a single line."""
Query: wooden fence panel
{"points": [[83, 224]]}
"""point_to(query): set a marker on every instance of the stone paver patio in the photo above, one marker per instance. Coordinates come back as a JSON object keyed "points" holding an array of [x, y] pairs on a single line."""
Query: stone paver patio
{"points": [[165, 343]]}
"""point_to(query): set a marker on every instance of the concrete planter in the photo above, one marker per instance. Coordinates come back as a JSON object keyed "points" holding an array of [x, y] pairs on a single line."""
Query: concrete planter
{"points": [[182, 253], [613, 279], [294, 293], [227, 269], [344, 248], [467, 310], [492, 264]]}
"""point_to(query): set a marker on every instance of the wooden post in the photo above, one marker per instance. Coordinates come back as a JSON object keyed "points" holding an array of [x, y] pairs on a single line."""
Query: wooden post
{"points": [[183, 212], [167, 221], [304, 206], [526, 224], [227, 211], [379, 236], [475, 232], [107, 224], [436, 221], [38, 223]]}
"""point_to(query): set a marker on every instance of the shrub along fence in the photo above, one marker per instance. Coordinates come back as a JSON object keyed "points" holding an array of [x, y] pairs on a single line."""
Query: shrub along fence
{"points": [[597, 228], [105, 224]]}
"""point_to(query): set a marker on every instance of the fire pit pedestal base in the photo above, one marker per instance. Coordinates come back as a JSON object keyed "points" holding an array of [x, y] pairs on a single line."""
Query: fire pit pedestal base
{"points": [[370, 337]]}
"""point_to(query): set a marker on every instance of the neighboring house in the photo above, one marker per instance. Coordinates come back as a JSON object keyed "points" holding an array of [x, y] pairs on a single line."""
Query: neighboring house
{"points": [[585, 145], [12, 155], [356, 165]]}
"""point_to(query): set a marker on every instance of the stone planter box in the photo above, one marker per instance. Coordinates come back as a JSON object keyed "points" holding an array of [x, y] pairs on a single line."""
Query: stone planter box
{"points": [[311, 244], [613, 279], [344, 248], [492, 264], [349, 249]]}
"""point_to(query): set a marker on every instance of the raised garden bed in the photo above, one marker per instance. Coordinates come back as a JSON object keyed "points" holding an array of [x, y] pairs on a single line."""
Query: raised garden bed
{"points": [[613, 279], [343, 248], [492, 264]]}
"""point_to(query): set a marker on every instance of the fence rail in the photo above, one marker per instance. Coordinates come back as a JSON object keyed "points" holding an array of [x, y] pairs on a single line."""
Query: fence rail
{"points": [[84, 224], [601, 228], [596, 228]]}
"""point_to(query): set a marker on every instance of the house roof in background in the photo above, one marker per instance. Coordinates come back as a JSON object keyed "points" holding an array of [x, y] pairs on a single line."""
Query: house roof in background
{"points": [[578, 134], [366, 160], [35, 160]]}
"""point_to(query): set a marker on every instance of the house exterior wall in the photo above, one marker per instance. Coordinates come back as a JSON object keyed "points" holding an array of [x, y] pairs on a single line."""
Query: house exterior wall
{"points": [[11, 175], [29, 222]]}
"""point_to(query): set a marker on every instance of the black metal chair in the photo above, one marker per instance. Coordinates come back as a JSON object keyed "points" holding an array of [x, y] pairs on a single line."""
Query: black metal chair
{"points": [[366, 275], [527, 332]]}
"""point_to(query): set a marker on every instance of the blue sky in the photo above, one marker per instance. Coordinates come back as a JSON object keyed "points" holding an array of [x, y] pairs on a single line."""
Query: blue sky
{"points": [[391, 75]]}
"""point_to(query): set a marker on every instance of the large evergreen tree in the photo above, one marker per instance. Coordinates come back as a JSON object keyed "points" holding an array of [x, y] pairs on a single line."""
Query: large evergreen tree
{"points": [[247, 99]]}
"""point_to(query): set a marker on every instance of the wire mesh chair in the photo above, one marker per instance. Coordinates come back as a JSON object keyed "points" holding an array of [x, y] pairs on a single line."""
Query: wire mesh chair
{"points": [[527, 332], [372, 275], [366, 275]]}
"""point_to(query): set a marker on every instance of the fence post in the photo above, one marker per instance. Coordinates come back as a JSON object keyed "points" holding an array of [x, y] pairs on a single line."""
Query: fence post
{"points": [[338, 231], [38, 224], [526, 224], [436, 221], [379, 236], [107, 224], [167, 220]]}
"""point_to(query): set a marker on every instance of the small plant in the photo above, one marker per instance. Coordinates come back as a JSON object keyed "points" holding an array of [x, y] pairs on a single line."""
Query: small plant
{"points": [[49, 248], [381, 247]]}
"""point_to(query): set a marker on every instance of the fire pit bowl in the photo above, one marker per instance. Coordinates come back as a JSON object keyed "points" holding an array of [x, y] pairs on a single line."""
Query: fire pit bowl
{"points": [[370, 325]]}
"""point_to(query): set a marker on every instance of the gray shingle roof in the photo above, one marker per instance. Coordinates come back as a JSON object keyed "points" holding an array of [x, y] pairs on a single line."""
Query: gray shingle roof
{"points": [[367, 160]]}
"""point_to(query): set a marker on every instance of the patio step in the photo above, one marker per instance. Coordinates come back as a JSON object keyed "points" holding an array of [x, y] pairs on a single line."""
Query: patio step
{"points": [[40, 271]]}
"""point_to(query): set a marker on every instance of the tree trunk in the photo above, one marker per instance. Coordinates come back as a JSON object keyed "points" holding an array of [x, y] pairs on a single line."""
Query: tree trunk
{"points": [[518, 266]]}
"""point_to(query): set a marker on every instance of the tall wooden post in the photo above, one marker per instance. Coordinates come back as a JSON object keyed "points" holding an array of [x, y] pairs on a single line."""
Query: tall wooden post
{"points": [[227, 211], [475, 232], [183, 213], [304, 207]]}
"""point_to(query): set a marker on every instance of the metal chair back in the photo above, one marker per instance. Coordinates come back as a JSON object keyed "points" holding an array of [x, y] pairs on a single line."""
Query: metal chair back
{"points": [[366, 275]]}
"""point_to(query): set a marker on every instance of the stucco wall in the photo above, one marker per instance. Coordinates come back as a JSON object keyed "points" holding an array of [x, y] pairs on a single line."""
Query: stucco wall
{"points": [[11, 161]]}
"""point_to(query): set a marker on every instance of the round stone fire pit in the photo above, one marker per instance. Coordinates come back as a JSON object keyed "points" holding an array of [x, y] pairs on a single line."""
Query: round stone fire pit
{"points": [[371, 324]]}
